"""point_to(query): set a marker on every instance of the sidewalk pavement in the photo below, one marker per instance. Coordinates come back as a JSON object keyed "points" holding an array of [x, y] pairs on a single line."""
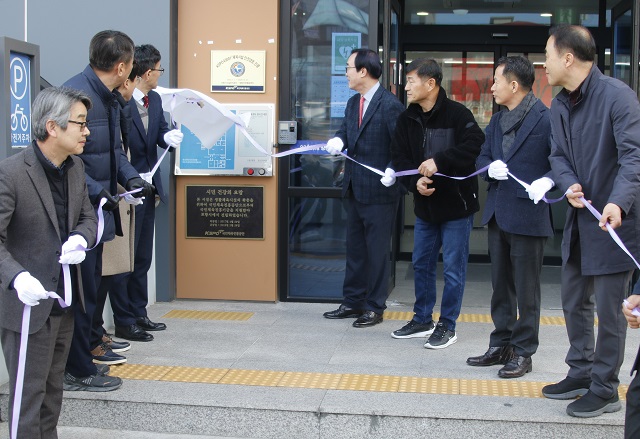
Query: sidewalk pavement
{"points": [[281, 370]]}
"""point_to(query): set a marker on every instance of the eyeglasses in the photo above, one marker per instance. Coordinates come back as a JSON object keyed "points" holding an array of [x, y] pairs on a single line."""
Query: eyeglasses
{"points": [[346, 69], [83, 125], [158, 70]]}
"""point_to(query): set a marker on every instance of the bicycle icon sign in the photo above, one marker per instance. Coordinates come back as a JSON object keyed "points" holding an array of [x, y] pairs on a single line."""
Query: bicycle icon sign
{"points": [[24, 120], [20, 86]]}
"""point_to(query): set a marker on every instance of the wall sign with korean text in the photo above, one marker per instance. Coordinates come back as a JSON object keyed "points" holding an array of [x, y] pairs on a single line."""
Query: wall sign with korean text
{"points": [[225, 212], [238, 71]]}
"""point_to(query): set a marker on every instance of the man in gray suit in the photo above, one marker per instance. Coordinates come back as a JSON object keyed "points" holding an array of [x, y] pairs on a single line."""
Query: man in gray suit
{"points": [[595, 155], [46, 220], [517, 140], [366, 131]]}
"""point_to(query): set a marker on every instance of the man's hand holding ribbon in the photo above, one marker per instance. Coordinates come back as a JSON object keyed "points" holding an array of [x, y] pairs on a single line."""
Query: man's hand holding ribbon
{"points": [[498, 170], [334, 146], [112, 202], [173, 138], [539, 188], [29, 289], [148, 190], [73, 251], [389, 177]]}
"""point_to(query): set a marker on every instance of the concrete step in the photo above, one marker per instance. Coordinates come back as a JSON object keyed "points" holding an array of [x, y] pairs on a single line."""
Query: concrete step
{"points": [[183, 382]]}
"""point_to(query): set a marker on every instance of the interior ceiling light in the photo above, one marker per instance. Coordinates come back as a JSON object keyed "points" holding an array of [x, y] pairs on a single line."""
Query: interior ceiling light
{"points": [[460, 11], [546, 14], [422, 13]]}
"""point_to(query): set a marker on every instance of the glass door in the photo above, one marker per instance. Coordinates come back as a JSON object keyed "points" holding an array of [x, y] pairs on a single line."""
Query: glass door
{"points": [[467, 78], [622, 39]]}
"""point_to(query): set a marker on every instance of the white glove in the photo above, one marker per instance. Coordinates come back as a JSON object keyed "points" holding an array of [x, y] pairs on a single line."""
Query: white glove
{"points": [[29, 289], [146, 176], [130, 199], [173, 138], [73, 251], [538, 188], [334, 146], [389, 177], [498, 170]]}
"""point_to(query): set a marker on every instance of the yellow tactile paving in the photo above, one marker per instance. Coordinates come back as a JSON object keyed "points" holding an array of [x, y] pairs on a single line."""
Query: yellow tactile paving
{"points": [[310, 380], [140, 371], [267, 378], [528, 389], [388, 315], [208, 315], [371, 383], [470, 318], [194, 375], [336, 381], [437, 386]]}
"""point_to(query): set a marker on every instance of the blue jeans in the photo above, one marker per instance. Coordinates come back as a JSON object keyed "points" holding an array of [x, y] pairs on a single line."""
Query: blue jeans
{"points": [[428, 238]]}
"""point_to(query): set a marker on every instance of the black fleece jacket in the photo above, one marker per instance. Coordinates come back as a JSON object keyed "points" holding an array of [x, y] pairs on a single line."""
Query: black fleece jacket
{"points": [[452, 137]]}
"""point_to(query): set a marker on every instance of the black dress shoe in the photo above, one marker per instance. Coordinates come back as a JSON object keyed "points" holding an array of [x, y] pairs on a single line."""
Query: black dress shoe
{"points": [[133, 333], [494, 355], [148, 325], [516, 367], [342, 312], [369, 318]]}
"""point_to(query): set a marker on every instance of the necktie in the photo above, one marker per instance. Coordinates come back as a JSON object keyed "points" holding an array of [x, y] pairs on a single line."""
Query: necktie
{"points": [[360, 113], [145, 101]]}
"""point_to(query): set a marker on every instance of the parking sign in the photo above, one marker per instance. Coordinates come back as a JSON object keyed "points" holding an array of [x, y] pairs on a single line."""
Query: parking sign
{"points": [[20, 87]]}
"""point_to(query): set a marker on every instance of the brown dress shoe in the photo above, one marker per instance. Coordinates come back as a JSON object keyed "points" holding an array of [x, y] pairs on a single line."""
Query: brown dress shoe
{"points": [[516, 367], [494, 355], [369, 318], [342, 312]]}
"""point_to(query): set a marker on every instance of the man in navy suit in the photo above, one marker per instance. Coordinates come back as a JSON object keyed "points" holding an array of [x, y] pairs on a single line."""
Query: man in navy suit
{"points": [[517, 140], [366, 131], [128, 294]]}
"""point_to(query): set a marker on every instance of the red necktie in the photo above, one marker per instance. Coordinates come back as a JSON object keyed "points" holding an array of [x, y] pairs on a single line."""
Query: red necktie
{"points": [[145, 102], [361, 109]]}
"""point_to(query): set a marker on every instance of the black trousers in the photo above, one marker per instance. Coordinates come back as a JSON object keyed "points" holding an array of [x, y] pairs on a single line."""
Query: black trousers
{"points": [[516, 262], [80, 362], [369, 229]]}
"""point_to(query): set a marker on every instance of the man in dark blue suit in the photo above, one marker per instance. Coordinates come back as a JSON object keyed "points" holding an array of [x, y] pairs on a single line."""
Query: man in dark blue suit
{"points": [[129, 294], [517, 140], [366, 131]]}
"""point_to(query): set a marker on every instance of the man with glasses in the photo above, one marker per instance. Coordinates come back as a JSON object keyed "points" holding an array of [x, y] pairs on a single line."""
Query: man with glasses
{"points": [[129, 291], [46, 220], [365, 134], [110, 62]]}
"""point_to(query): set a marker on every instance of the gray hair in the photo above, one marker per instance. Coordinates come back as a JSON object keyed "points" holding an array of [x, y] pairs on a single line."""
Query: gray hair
{"points": [[54, 103]]}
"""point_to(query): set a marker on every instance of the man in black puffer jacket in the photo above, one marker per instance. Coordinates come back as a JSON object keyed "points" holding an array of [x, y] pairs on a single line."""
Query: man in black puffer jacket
{"points": [[110, 62], [436, 134]]}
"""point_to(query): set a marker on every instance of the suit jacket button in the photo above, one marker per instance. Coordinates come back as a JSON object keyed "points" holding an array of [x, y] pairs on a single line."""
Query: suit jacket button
{"points": [[57, 252], [54, 279]]}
